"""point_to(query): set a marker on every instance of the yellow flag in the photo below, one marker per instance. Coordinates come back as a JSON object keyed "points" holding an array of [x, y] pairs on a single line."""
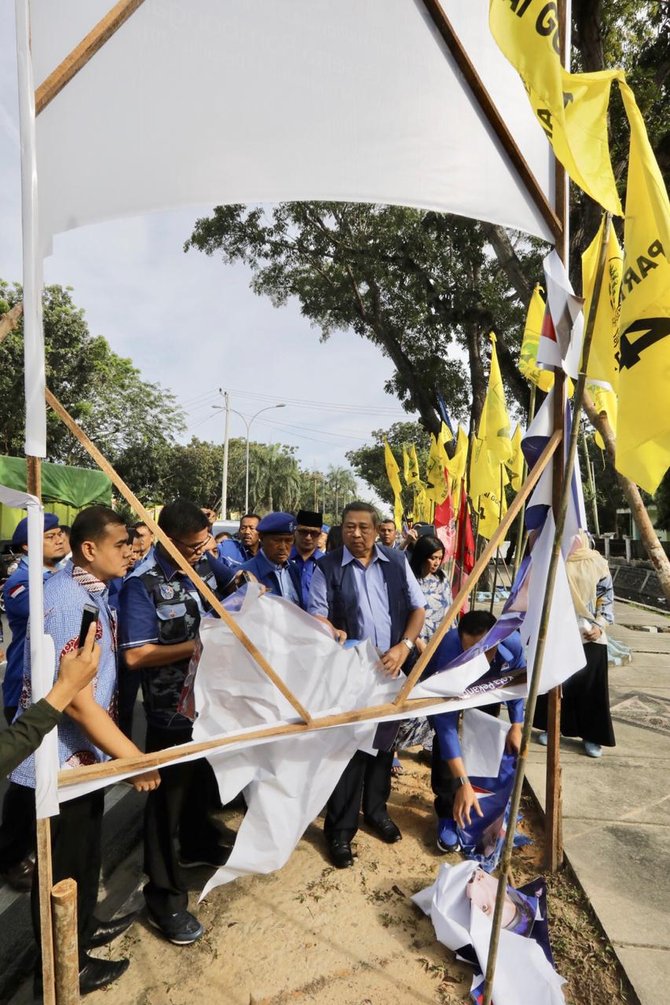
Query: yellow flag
{"points": [[423, 506], [392, 470], [405, 465], [411, 466], [516, 461], [604, 400], [603, 363], [437, 488], [494, 425], [643, 429], [570, 107], [486, 476], [544, 379], [446, 435], [458, 462]]}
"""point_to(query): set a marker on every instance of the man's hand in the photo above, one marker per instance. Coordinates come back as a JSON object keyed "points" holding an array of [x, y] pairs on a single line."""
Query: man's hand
{"points": [[513, 739], [465, 801], [76, 671], [393, 659], [146, 782]]}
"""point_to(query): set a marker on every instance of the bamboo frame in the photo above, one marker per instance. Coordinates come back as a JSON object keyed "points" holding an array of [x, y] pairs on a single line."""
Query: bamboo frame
{"points": [[479, 567], [544, 621], [84, 52], [493, 116], [174, 554]]}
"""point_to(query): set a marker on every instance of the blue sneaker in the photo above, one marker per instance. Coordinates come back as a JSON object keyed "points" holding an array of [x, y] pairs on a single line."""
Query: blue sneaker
{"points": [[447, 836], [592, 749]]}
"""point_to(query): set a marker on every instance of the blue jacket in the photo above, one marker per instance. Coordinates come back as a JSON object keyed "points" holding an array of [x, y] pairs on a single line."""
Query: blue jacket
{"points": [[343, 599], [265, 573]]}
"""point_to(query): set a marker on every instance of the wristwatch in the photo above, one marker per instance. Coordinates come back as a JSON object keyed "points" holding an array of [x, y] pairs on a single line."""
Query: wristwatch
{"points": [[462, 780], [408, 643]]}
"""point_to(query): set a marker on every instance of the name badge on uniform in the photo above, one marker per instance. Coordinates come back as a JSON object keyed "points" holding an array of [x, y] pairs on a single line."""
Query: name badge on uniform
{"points": [[166, 591]]}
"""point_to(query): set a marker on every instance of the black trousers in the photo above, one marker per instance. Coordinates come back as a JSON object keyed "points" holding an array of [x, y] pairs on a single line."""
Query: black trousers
{"points": [[442, 782], [17, 830], [129, 685], [76, 852], [178, 808], [366, 777]]}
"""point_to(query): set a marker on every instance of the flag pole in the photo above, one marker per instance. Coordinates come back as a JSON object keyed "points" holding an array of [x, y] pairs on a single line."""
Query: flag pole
{"points": [[521, 538], [495, 567], [534, 683]]}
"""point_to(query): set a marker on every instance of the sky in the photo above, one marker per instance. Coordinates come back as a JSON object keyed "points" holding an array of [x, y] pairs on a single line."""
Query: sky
{"points": [[192, 324]]}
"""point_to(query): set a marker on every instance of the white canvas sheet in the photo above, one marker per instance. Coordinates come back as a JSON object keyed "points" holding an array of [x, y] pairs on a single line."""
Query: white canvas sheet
{"points": [[523, 976], [268, 100]]}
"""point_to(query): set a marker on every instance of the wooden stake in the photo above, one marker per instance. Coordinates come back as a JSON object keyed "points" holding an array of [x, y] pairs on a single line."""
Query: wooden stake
{"points": [[87, 48], [64, 911], [175, 555], [479, 567], [534, 683]]}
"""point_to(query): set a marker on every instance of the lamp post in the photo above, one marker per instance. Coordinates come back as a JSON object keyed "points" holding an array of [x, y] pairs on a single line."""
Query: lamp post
{"points": [[247, 423]]}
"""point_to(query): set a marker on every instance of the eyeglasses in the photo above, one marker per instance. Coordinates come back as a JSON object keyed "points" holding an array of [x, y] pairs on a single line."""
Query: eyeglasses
{"points": [[307, 532], [193, 549]]}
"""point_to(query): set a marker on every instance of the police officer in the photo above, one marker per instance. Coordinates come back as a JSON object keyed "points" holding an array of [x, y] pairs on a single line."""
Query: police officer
{"points": [[160, 611], [17, 832], [271, 566]]}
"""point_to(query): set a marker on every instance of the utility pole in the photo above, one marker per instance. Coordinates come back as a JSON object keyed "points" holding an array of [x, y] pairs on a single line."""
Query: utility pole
{"points": [[224, 474]]}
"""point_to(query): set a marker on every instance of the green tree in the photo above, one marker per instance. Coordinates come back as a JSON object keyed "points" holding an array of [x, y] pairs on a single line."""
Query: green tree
{"points": [[122, 413], [422, 286], [340, 488], [275, 481], [368, 461]]}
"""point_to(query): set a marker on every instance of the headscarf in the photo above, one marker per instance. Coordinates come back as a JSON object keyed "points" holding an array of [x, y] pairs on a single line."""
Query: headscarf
{"points": [[585, 568]]}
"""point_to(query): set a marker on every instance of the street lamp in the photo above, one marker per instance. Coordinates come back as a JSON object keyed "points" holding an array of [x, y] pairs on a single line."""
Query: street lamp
{"points": [[247, 423]]}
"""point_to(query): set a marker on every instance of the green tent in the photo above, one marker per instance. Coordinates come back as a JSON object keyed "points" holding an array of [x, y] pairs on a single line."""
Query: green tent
{"points": [[65, 490]]}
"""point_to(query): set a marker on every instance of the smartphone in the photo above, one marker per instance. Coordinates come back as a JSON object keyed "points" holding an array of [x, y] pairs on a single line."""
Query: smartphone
{"points": [[89, 615]]}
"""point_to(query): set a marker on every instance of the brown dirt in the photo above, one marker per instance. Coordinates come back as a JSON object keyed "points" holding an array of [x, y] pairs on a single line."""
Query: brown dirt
{"points": [[310, 933]]}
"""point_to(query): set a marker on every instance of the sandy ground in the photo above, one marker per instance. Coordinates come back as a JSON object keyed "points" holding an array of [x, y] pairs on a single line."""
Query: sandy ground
{"points": [[310, 933]]}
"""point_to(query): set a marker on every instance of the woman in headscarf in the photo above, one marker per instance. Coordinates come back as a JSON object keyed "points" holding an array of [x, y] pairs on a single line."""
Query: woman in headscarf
{"points": [[585, 709]]}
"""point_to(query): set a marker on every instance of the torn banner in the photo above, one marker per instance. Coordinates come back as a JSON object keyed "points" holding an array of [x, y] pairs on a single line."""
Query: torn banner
{"points": [[461, 904]]}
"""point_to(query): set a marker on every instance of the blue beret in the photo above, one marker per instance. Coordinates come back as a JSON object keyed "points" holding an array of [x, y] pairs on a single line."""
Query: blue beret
{"points": [[277, 523], [20, 535]]}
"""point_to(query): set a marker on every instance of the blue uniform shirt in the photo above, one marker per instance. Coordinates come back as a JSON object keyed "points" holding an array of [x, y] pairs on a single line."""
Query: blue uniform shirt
{"points": [[510, 656], [306, 567], [17, 609], [284, 581], [233, 552], [65, 595]]}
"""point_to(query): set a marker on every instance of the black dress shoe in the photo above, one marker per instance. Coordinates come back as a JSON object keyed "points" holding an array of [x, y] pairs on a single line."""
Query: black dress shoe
{"points": [[340, 854], [20, 875], [107, 931], [385, 829], [93, 975], [98, 973]]}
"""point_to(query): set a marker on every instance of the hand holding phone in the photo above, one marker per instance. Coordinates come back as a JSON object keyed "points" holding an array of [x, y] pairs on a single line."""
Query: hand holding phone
{"points": [[89, 615]]}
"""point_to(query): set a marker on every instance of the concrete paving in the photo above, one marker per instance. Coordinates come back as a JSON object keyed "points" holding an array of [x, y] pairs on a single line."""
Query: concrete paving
{"points": [[616, 810]]}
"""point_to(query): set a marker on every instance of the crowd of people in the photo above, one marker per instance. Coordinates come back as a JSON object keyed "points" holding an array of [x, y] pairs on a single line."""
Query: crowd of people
{"points": [[363, 579]]}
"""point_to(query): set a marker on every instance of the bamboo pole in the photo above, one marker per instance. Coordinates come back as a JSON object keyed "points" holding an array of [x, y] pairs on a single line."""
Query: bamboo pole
{"points": [[479, 566], [108, 770], [43, 826], [521, 537], [544, 624], [64, 911], [82, 53], [495, 567], [175, 555], [493, 116]]}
